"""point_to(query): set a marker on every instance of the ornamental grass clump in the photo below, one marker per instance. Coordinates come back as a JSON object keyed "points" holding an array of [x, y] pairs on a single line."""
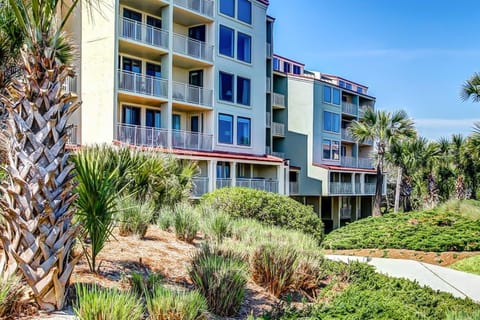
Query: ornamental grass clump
{"points": [[166, 304], [216, 225], [185, 222], [11, 292], [221, 279], [106, 304], [142, 283], [134, 217]]}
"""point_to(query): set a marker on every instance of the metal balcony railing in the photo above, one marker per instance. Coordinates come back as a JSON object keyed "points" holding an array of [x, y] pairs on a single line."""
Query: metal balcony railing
{"points": [[204, 7], [278, 154], [294, 188], [70, 84], [278, 129], [347, 136], [279, 100], [349, 108], [365, 163], [192, 140], [369, 188], [346, 213], [142, 84], [143, 33], [341, 188], [200, 186], [73, 136], [223, 183], [192, 48], [259, 184], [192, 94], [350, 162]]}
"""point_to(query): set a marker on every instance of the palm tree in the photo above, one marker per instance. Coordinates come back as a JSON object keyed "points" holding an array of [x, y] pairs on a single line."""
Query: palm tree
{"points": [[400, 156], [38, 235], [383, 128], [471, 88]]}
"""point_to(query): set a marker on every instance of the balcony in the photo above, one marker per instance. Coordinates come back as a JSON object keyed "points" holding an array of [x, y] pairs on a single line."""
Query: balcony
{"points": [[278, 101], [223, 183], [369, 188], [278, 129], [349, 108], [186, 93], [278, 154], [294, 188], [73, 135], [347, 136], [70, 85], [203, 7], [158, 138], [200, 186], [341, 188], [141, 84], [259, 184], [143, 33], [350, 162], [365, 163], [191, 49], [268, 121]]}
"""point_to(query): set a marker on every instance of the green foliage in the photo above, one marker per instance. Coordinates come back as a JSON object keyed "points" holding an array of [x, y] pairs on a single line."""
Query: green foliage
{"points": [[185, 222], [142, 283], [471, 265], [269, 208], [163, 303], [216, 225], [107, 304], [133, 216], [455, 315], [96, 201], [442, 229], [165, 218], [11, 291], [221, 279]]}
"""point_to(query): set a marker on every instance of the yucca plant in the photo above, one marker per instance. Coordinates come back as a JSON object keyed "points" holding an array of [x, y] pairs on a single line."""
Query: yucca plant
{"points": [[164, 303], [142, 283], [133, 217], [96, 201], [94, 303]]}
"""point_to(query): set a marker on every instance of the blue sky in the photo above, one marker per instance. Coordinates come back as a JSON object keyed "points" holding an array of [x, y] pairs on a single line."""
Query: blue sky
{"points": [[412, 54]]}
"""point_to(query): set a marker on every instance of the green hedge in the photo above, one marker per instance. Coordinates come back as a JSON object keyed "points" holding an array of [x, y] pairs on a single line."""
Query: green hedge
{"points": [[267, 207]]}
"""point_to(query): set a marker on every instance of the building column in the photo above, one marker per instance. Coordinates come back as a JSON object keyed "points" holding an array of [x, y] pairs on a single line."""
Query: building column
{"points": [[359, 207], [233, 173], [362, 183], [170, 76], [352, 179], [212, 175]]}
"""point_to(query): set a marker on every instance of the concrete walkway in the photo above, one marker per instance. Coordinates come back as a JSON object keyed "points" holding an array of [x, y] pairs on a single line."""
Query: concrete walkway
{"points": [[460, 284]]}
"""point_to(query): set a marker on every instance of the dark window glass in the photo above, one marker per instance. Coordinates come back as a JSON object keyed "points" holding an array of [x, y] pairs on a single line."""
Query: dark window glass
{"points": [[359, 89], [326, 149], [227, 7], [245, 11], [336, 96], [154, 22], [133, 15], [131, 115], [154, 70], [223, 170], [335, 122], [132, 65], [276, 64], [243, 91], [226, 87], [327, 94], [327, 121], [348, 86], [153, 119], [286, 67], [225, 128], [244, 47], [341, 83], [297, 69], [226, 41], [243, 131], [335, 150], [343, 150], [176, 122]]}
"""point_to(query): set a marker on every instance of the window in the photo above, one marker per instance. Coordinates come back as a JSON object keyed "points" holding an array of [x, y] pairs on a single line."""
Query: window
{"points": [[176, 124], [297, 69], [227, 7], [223, 170], [243, 131], [336, 96], [154, 70], [226, 41], [331, 121], [226, 87], [335, 150], [359, 89], [348, 86], [243, 91], [341, 83], [131, 115], [326, 149], [244, 47], [153, 119], [132, 65], [286, 67], [245, 11], [276, 64], [343, 151], [133, 15], [327, 94], [225, 128]]}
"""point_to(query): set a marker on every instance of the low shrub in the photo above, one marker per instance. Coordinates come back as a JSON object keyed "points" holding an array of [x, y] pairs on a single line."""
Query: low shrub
{"points": [[266, 207], [106, 304], [221, 279], [163, 303], [134, 217], [165, 218], [11, 292], [142, 283], [185, 222], [471, 265], [274, 267], [216, 225], [455, 315]]}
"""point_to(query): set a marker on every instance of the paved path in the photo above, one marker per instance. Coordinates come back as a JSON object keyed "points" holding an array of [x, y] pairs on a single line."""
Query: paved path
{"points": [[460, 284]]}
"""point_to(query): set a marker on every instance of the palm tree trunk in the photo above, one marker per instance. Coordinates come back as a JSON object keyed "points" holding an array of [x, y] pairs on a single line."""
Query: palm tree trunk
{"points": [[398, 189], [378, 190]]}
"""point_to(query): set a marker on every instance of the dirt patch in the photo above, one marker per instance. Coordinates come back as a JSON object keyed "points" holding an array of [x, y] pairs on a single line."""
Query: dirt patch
{"points": [[437, 258]]}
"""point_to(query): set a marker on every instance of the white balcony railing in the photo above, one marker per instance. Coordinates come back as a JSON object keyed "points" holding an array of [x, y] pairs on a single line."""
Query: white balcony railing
{"points": [[347, 136], [369, 188], [341, 188], [350, 162], [142, 84], [73, 135], [204, 7], [294, 188], [223, 183], [158, 137], [200, 186], [365, 163], [278, 129], [70, 85], [259, 184], [279, 100], [349, 108], [143, 33], [192, 94], [192, 48]]}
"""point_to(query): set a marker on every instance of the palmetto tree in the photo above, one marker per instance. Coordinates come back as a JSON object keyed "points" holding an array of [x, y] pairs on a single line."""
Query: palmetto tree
{"points": [[471, 88], [383, 128], [38, 234]]}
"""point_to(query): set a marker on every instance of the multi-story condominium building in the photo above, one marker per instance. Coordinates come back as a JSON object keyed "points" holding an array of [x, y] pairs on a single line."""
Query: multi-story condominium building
{"points": [[187, 77], [329, 169]]}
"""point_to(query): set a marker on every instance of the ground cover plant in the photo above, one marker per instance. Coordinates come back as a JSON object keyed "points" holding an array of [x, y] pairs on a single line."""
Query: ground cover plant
{"points": [[266, 207], [446, 228], [471, 265]]}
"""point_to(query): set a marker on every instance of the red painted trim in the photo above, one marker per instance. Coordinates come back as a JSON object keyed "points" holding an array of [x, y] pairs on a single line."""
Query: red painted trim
{"points": [[338, 168], [337, 77]]}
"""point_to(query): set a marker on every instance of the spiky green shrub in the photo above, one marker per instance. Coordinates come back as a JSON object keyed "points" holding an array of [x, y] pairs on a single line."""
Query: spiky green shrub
{"points": [[266, 207], [142, 283], [185, 221], [133, 216], [163, 303], [165, 218], [107, 304], [221, 279], [216, 225], [11, 291], [274, 267]]}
